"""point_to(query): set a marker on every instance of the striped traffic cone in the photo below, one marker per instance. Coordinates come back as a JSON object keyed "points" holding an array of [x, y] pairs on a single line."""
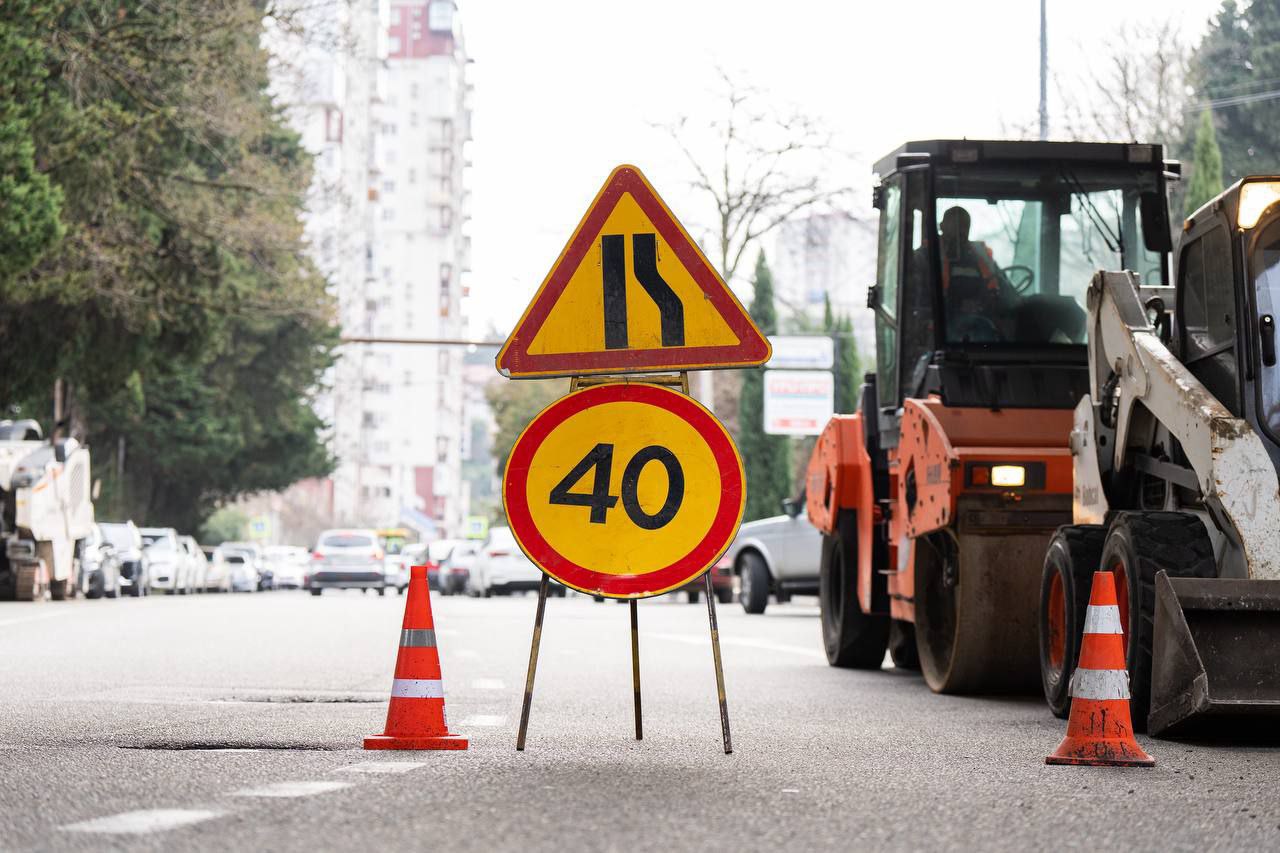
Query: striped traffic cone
{"points": [[1100, 730], [415, 719]]}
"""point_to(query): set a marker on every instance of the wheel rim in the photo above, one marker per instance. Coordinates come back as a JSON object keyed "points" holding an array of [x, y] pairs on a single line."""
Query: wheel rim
{"points": [[1121, 574], [1057, 622], [746, 581]]}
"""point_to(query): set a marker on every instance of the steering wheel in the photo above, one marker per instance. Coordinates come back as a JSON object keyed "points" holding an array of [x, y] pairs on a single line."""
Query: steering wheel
{"points": [[1027, 273]]}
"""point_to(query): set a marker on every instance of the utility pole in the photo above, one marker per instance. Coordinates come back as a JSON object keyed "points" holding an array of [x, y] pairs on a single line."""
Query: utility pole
{"points": [[1044, 73]]}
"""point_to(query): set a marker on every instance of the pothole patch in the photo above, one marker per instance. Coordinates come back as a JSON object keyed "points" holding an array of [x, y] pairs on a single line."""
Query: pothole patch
{"points": [[230, 746], [274, 698]]}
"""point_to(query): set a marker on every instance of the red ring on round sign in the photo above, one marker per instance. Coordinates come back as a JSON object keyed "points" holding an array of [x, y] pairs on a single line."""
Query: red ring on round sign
{"points": [[724, 524]]}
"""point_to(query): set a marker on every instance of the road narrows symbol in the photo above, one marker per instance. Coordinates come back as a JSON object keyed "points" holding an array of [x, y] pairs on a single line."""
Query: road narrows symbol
{"points": [[613, 268]]}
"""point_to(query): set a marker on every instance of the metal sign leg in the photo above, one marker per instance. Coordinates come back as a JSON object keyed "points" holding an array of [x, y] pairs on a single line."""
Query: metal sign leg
{"points": [[635, 666], [715, 652], [543, 587]]}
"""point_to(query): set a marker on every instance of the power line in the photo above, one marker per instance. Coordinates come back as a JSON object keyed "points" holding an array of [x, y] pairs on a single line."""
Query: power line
{"points": [[1235, 100]]}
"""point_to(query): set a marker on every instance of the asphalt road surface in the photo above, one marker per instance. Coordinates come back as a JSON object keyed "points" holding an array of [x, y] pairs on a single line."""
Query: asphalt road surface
{"points": [[235, 722]]}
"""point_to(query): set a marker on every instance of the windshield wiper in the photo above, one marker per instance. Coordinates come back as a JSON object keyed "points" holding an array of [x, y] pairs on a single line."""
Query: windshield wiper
{"points": [[1108, 236]]}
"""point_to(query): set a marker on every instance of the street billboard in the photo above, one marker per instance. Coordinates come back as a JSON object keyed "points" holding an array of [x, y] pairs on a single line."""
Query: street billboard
{"points": [[798, 402]]}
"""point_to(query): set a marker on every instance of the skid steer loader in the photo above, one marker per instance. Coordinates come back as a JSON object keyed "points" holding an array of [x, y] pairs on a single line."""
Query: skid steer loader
{"points": [[1175, 453], [937, 498]]}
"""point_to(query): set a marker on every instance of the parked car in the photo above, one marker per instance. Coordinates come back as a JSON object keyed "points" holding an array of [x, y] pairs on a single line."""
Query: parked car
{"points": [[721, 581], [170, 570], [436, 552], [397, 572], [502, 568], [252, 552], [99, 566], [197, 565], [455, 569], [241, 575], [217, 572], [347, 559], [287, 564], [778, 555], [134, 562]]}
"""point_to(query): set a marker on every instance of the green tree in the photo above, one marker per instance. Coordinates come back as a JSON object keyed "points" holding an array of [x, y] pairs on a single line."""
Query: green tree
{"points": [[227, 524], [152, 254], [847, 367], [1235, 67], [1206, 165], [767, 458], [515, 402]]}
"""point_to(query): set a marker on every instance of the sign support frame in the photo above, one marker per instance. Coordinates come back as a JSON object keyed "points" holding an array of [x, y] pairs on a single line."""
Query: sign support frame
{"points": [[681, 381]]}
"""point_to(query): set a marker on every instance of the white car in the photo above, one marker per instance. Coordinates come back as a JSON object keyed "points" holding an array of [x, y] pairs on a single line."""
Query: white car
{"points": [[502, 568], [217, 573], [287, 564], [455, 569], [252, 553], [241, 575], [778, 555], [170, 565], [347, 559], [197, 565]]}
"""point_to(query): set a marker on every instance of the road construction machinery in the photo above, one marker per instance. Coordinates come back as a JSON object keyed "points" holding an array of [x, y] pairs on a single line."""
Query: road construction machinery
{"points": [[938, 497], [46, 511], [1175, 452]]}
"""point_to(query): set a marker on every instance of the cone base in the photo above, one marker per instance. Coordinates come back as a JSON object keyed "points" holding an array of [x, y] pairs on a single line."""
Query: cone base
{"points": [[424, 742], [1100, 753]]}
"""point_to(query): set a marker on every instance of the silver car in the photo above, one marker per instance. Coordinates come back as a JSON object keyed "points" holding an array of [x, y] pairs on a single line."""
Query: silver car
{"points": [[502, 568], [347, 559], [778, 555]]}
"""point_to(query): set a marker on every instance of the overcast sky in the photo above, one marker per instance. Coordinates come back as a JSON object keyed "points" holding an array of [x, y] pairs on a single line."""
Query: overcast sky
{"points": [[565, 90]]}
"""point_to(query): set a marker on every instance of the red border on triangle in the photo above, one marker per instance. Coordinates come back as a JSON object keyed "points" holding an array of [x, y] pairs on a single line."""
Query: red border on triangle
{"points": [[515, 360]]}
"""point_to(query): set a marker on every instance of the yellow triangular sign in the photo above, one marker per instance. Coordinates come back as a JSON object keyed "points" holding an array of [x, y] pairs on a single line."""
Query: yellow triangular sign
{"points": [[631, 293]]}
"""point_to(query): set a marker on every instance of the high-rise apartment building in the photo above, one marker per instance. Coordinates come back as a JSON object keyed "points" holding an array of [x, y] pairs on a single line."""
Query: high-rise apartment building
{"points": [[379, 92]]}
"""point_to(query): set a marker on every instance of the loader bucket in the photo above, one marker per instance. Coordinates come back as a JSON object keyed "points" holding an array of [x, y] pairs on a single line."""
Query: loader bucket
{"points": [[1215, 652]]}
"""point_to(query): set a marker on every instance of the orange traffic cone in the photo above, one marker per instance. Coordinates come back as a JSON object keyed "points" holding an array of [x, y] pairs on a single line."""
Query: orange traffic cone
{"points": [[416, 718], [1100, 730]]}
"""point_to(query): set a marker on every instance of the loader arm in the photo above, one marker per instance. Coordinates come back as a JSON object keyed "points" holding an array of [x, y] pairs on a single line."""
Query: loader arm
{"points": [[1234, 472]]}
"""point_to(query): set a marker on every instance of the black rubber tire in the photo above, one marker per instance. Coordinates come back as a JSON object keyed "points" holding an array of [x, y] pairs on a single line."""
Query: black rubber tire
{"points": [[1151, 542], [382, 590], [559, 591], [902, 645], [694, 595], [316, 590], [851, 638], [724, 595], [754, 582], [1074, 554]]}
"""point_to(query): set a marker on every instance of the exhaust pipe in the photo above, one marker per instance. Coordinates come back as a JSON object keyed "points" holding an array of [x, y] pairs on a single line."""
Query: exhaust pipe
{"points": [[1215, 651]]}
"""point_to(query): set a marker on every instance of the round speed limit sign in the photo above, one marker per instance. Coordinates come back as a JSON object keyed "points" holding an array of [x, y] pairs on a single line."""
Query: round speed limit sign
{"points": [[625, 490]]}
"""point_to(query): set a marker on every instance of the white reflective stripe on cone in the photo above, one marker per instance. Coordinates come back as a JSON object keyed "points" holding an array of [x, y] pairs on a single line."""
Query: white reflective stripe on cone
{"points": [[417, 688], [1102, 619], [1100, 684]]}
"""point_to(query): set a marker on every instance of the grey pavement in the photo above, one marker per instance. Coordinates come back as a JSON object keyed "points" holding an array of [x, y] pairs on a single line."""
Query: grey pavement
{"points": [[235, 722]]}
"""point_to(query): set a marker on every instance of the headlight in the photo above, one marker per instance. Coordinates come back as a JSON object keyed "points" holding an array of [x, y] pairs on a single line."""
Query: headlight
{"points": [[1008, 476], [1255, 198]]}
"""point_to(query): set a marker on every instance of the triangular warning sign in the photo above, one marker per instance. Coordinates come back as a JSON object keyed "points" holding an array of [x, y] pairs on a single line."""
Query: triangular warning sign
{"points": [[631, 293]]}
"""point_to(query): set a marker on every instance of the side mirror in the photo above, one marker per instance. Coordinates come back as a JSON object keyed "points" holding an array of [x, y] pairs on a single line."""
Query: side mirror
{"points": [[792, 506], [60, 451], [1155, 223], [873, 296]]}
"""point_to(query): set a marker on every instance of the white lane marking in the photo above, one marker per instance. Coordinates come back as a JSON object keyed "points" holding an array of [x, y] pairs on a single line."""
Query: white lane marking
{"points": [[383, 767], [291, 789], [739, 641], [488, 684], [36, 617], [483, 721], [142, 822], [790, 790]]}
